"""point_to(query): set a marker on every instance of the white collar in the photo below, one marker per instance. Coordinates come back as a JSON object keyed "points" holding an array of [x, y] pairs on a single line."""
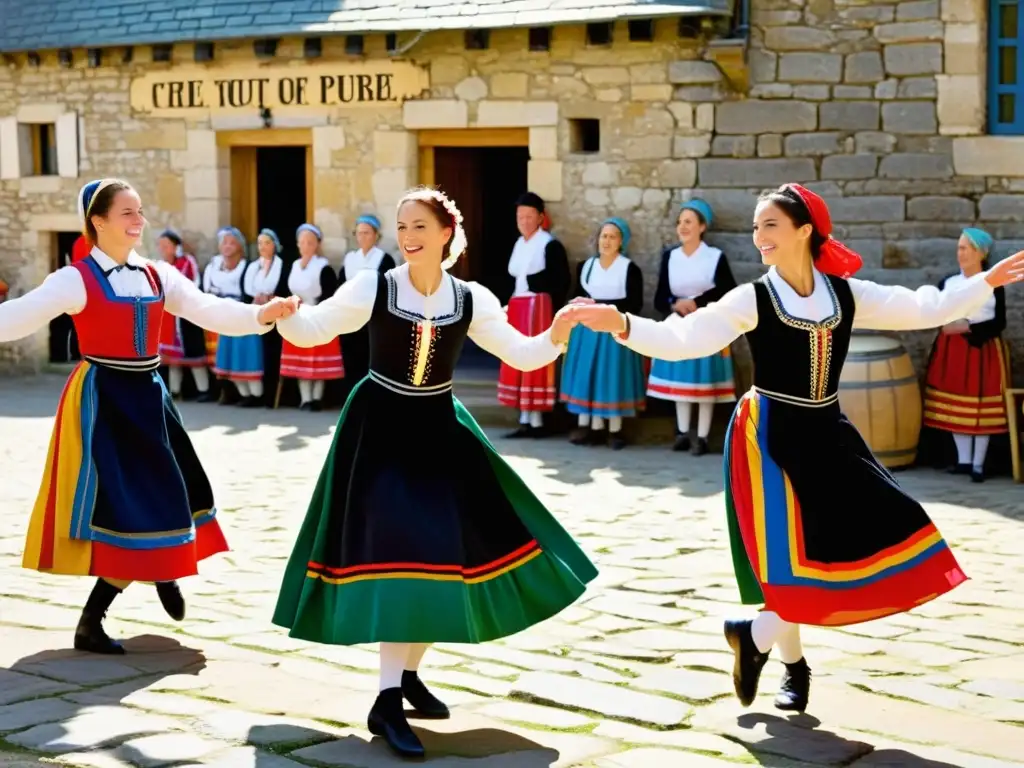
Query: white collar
{"points": [[106, 263]]}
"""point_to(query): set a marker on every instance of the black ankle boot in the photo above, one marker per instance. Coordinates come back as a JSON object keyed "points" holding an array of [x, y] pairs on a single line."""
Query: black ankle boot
{"points": [[171, 599], [422, 700], [90, 635], [795, 688], [749, 661], [387, 720]]}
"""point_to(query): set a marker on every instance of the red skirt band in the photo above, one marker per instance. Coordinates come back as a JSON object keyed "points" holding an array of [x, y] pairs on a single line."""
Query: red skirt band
{"points": [[320, 363], [531, 390], [966, 385]]}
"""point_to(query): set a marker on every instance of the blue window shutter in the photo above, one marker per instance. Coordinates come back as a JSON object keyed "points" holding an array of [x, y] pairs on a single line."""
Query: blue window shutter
{"points": [[1012, 124]]}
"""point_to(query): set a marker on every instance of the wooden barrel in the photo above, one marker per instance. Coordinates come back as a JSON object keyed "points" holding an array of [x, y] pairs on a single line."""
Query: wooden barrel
{"points": [[879, 393]]}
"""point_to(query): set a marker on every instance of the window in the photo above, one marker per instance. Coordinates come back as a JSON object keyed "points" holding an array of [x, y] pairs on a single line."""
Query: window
{"points": [[599, 33], [41, 149], [1005, 68], [540, 38], [354, 45], [477, 39], [641, 30], [585, 135], [38, 149]]}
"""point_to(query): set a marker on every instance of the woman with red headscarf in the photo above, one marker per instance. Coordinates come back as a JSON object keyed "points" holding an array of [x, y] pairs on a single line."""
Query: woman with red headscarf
{"points": [[821, 533]]}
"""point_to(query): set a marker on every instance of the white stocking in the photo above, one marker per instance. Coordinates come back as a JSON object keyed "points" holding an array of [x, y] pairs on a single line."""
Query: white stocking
{"points": [[683, 417], [597, 423], [174, 378], [393, 657], [704, 413], [242, 387], [318, 390], [524, 417], [583, 420], [614, 424], [766, 630], [980, 450], [536, 419], [256, 388], [963, 448], [790, 648], [202, 379], [416, 651], [305, 390]]}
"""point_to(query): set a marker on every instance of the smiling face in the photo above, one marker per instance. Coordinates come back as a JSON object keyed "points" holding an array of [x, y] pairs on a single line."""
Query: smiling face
{"points": [[366, 236], [121, 227], [528, 220], [308, 244], [168, 249], [690, 228], [230, 248], [775, 236], [968, 257], [609, 240], [421, 238], [266, 247]]}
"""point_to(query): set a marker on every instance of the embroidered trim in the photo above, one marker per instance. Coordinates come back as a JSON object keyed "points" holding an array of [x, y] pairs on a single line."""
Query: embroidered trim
{"points": [[407, 389], [414, 317]]}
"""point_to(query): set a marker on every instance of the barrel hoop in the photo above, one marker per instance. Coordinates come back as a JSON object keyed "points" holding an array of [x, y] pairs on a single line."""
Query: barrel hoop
{"points": [[881, 354], [878, 384]]}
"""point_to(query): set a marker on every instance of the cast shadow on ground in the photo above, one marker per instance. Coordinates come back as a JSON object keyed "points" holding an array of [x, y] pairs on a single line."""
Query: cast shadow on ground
{"points": [[787, 737]]}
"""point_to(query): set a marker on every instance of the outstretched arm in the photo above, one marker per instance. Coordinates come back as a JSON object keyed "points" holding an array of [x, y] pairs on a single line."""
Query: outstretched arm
{"points": [[491, 330], [346, 311], [701, 333], [224, 316], [896, 308], [62, 292]]}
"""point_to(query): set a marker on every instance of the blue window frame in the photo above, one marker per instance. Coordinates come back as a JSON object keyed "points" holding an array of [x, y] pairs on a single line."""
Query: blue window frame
{"points": [[1006, 67]]}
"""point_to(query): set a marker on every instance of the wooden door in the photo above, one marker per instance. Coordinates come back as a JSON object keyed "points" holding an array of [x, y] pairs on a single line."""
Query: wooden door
{"points": [[457, 173], [244, 193]]}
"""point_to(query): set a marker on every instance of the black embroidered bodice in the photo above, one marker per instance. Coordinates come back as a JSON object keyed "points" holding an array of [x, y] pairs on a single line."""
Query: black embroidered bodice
{"points": [[405, 349], [799, 358]]}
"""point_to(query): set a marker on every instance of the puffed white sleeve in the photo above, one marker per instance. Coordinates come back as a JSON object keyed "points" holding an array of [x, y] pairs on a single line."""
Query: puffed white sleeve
{"points": [[895, 308], [347, 311], [62, 292], [703, 332], [224, 316], [491, 330]]}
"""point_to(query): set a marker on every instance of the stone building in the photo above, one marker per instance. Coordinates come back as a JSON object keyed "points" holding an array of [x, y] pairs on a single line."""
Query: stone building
{"points": [[270, 114]]}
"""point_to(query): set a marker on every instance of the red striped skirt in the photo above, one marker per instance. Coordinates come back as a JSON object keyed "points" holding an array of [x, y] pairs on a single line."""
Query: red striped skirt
{"points": [[965, 387], [531, 390], [312, 363]]}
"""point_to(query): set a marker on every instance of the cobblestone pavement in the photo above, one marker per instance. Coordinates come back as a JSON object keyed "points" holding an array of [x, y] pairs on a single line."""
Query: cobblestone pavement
{"points": [[634, 675]]}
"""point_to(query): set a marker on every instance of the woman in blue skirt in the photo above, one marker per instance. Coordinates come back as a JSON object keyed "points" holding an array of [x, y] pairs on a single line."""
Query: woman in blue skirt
{"points": [[602, 380], [692, 275]]}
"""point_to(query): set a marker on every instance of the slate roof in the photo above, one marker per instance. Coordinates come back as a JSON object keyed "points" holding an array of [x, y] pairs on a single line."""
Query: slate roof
{"points": [[41, 24]]}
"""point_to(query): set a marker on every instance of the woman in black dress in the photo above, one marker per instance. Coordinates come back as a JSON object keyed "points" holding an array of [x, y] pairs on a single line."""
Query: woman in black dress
{"points": [[821, 533]]}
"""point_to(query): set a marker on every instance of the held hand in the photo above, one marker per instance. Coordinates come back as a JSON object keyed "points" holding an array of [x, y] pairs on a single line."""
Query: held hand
{"points": [[684, 306], [582, 301], [1009, 270], [278, 309], [561, 327], [956, 328], [601, 317]]}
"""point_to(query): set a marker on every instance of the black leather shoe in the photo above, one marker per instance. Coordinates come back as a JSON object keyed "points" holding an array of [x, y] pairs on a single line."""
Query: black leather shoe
{"points": [[422, 700], [617, 443], [959, 469], [387, 720], [749, 661], [171, 599], [204, 397], [316, 406], [795, 688], [523, 430], [700, 446], [90, 635], [977, 475], [682, 443], [306, 407], [249, 401]]}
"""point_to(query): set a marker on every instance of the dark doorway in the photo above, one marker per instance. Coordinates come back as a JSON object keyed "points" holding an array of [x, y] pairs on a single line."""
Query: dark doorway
{"points": [[63, 340], [281, 194], [484, 182]]}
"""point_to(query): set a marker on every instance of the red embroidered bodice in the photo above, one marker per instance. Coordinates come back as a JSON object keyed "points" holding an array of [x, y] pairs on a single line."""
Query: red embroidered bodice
{"points": [[118, 327]]}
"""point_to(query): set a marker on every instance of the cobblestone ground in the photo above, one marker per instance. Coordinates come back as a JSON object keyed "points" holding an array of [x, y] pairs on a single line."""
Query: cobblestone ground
{"points": [[634, 675]]}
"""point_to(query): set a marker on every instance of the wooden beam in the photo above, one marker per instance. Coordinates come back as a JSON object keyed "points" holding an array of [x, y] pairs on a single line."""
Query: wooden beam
{"points": [[269, 137], [475, 137]]}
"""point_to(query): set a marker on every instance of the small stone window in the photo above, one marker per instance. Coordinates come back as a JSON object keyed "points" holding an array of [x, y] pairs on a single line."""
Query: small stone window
{"points": [[41, 142], [1005, 67], [478, 39], [540, 39], [38, 148], [162, 53], [391, 42], [354, 45], [689, 27], [641, 30], [585, 135], [599, 33], [312, 48]]}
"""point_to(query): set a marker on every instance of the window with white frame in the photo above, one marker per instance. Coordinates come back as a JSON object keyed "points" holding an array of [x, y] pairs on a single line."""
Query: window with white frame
{"points": [[39, 141], [1005, 67]]}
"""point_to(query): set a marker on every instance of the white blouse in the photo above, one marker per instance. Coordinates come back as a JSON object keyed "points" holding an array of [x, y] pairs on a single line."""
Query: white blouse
{"points": [[693, 275], [63, 292], [984, 313], [605, 284], [349, 309], [356, 260], [304, 282], [879, 307], [528, 258], [224, 282], [259, 280]]}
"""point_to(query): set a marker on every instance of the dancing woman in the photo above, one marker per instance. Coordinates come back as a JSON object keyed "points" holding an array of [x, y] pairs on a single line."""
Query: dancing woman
{"points": [[821, 533], [439, 540], [124, 497]]}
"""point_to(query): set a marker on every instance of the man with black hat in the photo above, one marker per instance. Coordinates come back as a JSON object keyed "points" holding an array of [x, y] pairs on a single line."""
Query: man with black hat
{"points": [[539, 277]]}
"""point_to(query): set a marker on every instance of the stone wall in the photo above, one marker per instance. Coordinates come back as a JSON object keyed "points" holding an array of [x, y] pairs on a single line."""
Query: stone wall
{"points": [[876, 106]]}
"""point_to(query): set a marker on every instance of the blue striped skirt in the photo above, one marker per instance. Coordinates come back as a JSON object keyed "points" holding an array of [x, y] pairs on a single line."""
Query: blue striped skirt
{"points": [[600, 377], [704, 380], [239, 358]]}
